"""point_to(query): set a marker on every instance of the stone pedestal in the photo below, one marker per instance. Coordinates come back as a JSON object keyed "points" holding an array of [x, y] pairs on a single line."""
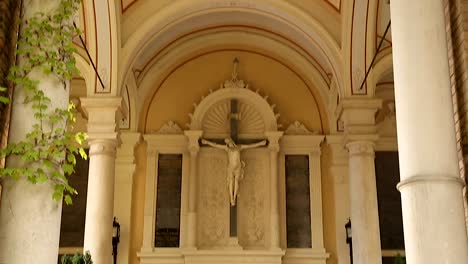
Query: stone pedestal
{"points": [[431, 188], [100, 201]]}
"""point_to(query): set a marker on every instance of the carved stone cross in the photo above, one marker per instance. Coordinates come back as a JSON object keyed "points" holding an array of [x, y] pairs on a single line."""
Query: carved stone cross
{"points": [[235, 170]]}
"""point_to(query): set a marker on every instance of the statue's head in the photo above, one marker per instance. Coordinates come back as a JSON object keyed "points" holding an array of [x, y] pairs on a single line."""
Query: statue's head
{"points": [[229, 142]]}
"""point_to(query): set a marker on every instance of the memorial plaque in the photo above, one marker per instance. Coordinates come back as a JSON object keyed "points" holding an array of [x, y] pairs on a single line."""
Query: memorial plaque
{"points": [[298, 202]]}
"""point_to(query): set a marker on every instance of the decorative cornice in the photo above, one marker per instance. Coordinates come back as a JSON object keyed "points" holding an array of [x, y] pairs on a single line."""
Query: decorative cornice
{"points": [[88, 103], [170, 127], [297, 128], [167, 144]]}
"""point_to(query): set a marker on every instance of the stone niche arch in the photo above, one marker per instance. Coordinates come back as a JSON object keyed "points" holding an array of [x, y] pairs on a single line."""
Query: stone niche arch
{"points": [[256, 115], [204, 212]]}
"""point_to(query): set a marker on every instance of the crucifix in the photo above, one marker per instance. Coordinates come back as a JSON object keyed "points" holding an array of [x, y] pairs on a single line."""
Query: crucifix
{"points": [[235, 169]]}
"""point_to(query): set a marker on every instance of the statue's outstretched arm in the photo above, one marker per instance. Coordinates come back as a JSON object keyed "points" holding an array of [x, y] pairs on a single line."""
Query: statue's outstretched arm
{"points": [[258, 144], [214, 145]]}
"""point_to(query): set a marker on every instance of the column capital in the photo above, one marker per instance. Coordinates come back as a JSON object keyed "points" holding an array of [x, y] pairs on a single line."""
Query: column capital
{"points": [[358, 114], [102, 114], [193, 136], [273, 139], [361, 148], [126, 150], [102, 146]]}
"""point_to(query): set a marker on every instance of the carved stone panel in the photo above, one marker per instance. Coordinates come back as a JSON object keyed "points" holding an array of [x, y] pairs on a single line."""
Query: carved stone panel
{"points": [[213, 197], [253, 199]]}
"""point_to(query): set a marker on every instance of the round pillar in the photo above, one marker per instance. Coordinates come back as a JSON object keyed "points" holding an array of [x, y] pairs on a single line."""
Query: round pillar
{"points": [[431, 188], [100, 200], [364, 209]]}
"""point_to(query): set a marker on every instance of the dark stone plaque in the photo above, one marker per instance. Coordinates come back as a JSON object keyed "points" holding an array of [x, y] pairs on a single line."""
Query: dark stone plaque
{"points": [[168, 200], [298, 202]]}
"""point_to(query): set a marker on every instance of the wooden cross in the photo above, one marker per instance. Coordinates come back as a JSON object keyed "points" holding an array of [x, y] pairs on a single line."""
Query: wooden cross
{"points": [[234, 126]]}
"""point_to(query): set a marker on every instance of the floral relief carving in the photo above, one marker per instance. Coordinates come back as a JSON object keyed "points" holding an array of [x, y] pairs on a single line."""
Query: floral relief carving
{"points": [[361, 148], [170, 127], [214, 204], [252, 201]]}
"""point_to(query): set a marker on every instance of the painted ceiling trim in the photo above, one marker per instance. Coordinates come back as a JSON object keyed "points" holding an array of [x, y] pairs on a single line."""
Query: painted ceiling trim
{"points": [[127, 4]]}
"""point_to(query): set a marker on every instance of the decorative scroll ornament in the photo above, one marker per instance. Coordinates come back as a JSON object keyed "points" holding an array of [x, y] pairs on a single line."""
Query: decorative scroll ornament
{"points": [[234, 82], [170, 127], [297, 128]]}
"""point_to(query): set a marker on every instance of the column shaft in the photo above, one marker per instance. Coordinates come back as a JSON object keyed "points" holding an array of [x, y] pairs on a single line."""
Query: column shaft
{"points": [[100, 200], [275, 234], [364, 209], [273, 146], [192, 210], [431, 189], [193, 147]]}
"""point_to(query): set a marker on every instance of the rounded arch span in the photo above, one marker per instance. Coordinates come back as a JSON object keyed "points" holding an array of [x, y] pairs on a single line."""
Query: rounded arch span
{"points": [[153, 86], [382, 68], [277, 16], [86, 72]]}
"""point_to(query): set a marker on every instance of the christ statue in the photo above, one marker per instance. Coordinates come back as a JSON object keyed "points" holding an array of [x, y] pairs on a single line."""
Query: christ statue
{"points": [[235, 169]]}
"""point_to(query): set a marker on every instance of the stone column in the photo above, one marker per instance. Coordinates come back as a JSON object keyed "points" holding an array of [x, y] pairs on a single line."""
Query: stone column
{"points": [[358, 116], [29, 217], [124, 169], [364, 208], [431, 188], [100, 201], [193, 147], [273, 146]]}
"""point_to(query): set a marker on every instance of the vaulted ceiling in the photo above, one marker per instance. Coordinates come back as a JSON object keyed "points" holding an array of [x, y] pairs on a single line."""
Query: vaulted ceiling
{"points": [[329, 42]]}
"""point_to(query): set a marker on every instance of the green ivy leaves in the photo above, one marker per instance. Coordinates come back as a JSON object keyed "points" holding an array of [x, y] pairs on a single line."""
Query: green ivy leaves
{"points": [[78, 258], [48, 152], [3, 98]]}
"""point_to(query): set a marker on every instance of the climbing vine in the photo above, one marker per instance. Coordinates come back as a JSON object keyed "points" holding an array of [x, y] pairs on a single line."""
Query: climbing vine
{"points": [[48, 151]]}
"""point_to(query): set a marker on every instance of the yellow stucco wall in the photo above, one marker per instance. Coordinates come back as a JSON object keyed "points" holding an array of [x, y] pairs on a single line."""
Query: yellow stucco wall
{"points": [[173, 98]]}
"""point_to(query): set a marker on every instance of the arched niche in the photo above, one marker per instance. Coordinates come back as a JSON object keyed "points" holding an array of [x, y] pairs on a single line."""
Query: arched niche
{"points": [[255, 114], [175, 94]]}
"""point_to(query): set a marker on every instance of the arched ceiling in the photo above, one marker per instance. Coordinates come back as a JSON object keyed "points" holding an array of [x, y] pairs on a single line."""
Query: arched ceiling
{"points": [[130, 40]]}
